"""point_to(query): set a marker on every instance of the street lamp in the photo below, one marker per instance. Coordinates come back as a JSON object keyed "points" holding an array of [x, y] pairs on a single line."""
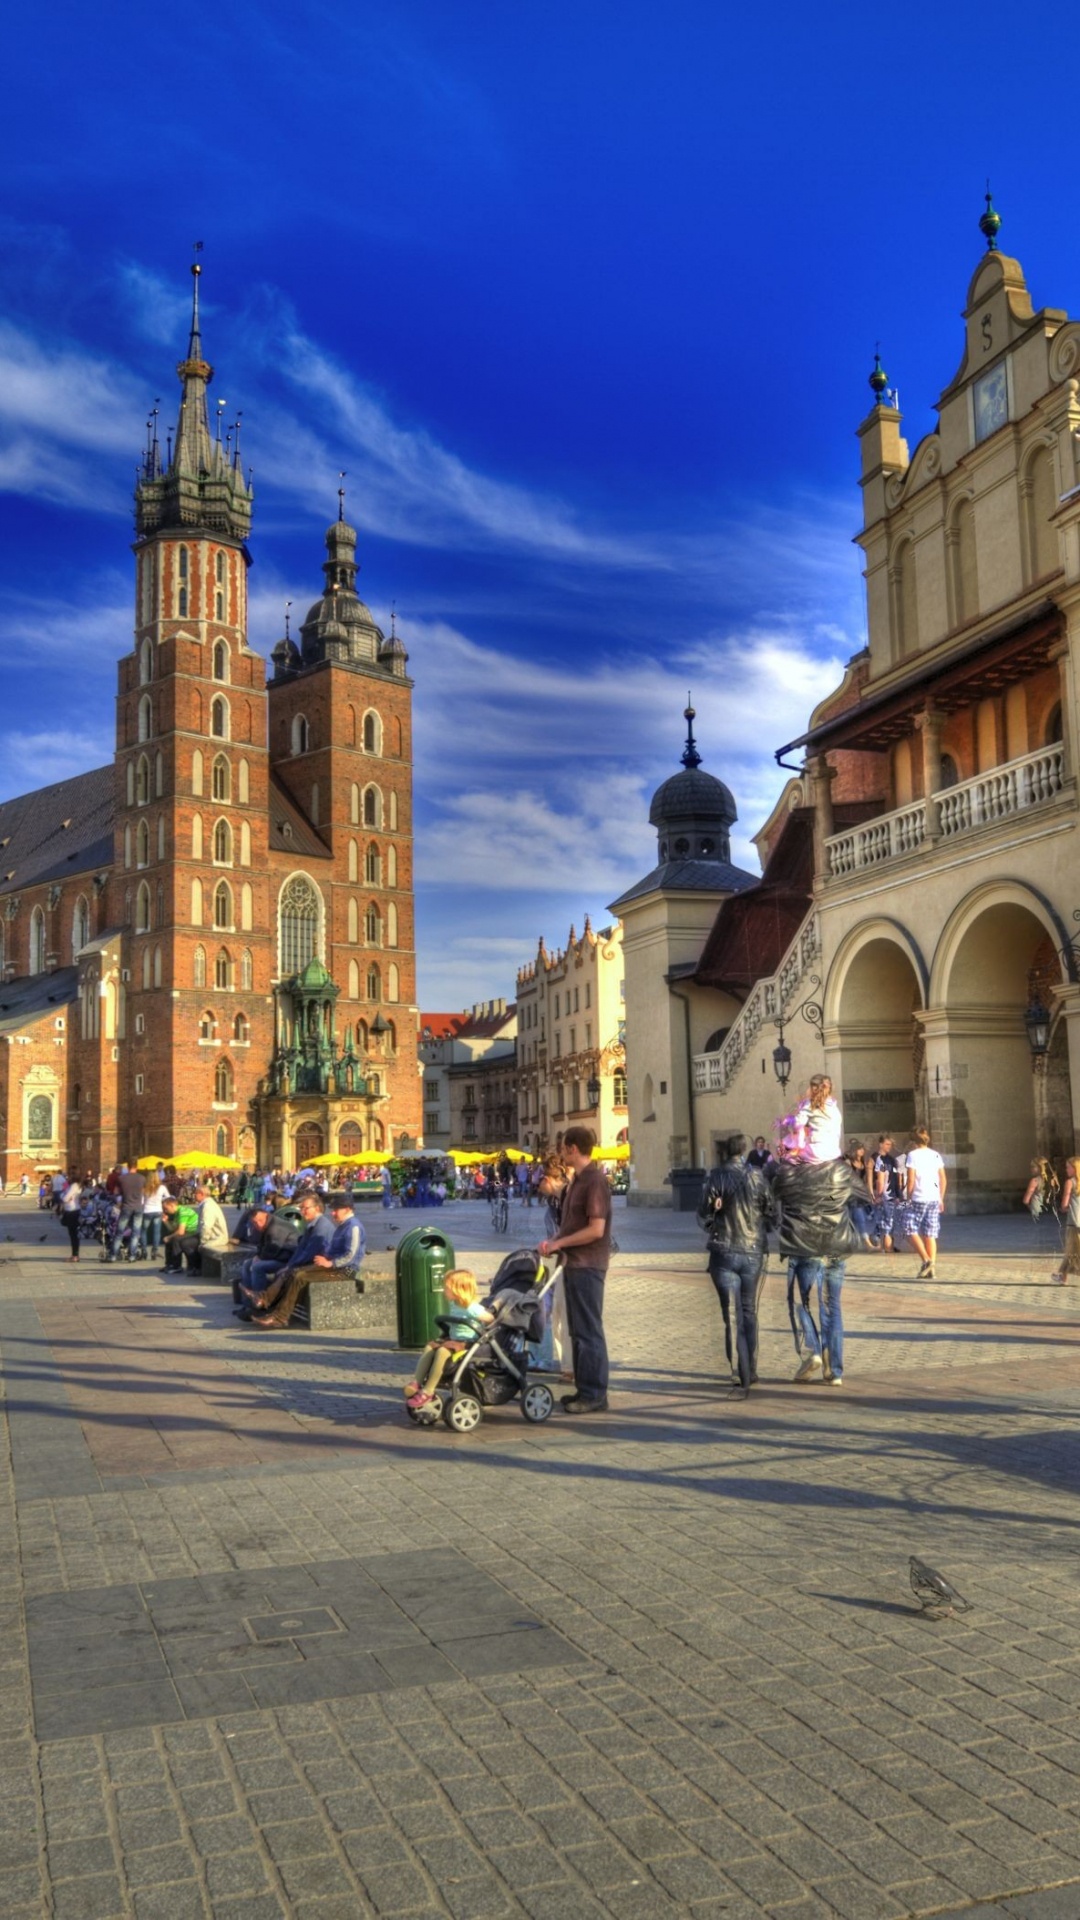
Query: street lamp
{"points": [[810, 1010], [592, 1090], [1037, 1022]]}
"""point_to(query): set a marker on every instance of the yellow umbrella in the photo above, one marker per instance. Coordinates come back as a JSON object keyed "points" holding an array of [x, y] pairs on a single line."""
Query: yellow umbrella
{"points": [[620, 1151], [148, 1162], [330, 1160], [371, 1157], [203, 1163]]}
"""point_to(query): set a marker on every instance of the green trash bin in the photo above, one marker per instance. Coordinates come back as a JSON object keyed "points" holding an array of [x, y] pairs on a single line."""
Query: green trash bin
{"points": [[424, 1258]]}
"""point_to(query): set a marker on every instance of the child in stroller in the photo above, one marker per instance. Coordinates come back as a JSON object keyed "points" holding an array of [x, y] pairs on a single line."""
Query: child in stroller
{"points": [[492, 1366]]}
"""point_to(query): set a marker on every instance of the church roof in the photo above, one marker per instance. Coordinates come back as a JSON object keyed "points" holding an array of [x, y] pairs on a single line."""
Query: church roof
{"points": [[689, 876], [26, 1000], [290, 829], [57, 830]]}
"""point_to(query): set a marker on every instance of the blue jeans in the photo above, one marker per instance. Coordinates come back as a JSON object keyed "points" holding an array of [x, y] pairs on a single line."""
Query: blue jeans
{"points": [[804, 1277], [735, 1277], [129, 1217], [585, 1312], [826, 1278], [151, 1232]]}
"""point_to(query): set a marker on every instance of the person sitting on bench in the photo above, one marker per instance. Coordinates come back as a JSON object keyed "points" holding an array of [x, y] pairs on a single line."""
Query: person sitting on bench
{"points": [[338, 1259]]}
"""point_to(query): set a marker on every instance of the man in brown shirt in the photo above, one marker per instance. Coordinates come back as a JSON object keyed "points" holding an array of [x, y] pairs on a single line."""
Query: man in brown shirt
{"points": [[584, 1239]]}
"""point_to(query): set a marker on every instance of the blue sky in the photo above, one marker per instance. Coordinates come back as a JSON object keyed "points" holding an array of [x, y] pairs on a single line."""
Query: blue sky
{"points": [[583, 298]]}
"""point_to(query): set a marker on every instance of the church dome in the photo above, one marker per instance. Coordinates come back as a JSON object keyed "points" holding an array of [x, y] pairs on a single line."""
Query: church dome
{"points": [[692, 811], [692, 794]]}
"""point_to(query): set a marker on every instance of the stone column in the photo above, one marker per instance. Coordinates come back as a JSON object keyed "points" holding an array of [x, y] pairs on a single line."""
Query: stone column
{"points": [[1062, 654], [930, 723], [821, 777]]}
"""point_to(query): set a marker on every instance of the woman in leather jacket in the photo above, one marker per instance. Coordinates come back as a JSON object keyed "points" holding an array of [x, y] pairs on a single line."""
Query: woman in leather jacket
{"points": [[736, 1212]]}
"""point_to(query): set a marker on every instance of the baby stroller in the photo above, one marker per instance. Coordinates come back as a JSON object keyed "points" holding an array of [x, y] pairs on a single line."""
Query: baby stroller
{"points": [[494, 1367]]}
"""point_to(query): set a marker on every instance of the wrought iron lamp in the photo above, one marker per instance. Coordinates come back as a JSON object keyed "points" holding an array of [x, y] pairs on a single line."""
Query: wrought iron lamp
{"points": [[810, 1009], [1037, 1023]]}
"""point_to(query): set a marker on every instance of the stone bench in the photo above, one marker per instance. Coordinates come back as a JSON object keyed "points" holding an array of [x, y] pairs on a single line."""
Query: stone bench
{"points": [[223, 1267], [363, 1305]]}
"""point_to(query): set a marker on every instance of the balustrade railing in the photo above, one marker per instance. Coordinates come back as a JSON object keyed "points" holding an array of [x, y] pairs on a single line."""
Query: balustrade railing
{"points": [[997, 795], [1002, 792], [713, 1072]]}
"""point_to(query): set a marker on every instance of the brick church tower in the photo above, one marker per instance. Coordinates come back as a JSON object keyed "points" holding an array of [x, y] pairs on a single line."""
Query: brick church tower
{"points": [[244, 939]]}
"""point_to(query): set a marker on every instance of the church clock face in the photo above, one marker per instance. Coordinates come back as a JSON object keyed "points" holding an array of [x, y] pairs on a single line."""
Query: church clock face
{"points": [[991, 402]]}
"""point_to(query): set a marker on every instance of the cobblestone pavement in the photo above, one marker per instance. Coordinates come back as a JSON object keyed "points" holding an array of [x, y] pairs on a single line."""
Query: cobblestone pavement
{"points": [[269, 1650]]}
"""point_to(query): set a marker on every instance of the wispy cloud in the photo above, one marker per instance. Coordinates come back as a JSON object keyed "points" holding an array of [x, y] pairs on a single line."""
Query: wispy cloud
{"points": [[38, 759]]}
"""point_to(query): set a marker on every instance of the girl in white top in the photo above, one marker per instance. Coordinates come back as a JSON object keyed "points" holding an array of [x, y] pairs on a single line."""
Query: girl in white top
{"points": [[819, 1124], [1070, 1206], [69, 1214], [153, 1223], [926, 1184]]}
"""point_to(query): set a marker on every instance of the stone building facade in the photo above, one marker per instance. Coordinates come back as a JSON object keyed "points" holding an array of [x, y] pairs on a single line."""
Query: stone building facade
{"points": [[483, 1099], [920, 889], [454, 1040], [571, 1035], [225, 915]]}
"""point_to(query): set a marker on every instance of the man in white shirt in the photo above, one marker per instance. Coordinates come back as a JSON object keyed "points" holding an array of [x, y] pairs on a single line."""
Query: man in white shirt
{"points": [[926, 1184]]}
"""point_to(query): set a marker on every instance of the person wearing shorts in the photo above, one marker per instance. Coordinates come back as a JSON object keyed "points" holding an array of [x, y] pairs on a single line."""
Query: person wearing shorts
{"points": [[926, 1184]]}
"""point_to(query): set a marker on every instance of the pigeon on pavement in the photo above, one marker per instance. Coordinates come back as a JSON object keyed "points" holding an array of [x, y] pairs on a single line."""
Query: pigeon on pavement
{"points": [[935, 1594]]}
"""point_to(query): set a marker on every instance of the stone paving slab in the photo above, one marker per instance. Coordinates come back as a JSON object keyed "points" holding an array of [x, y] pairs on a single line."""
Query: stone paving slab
{"points": [[753, 1719]]}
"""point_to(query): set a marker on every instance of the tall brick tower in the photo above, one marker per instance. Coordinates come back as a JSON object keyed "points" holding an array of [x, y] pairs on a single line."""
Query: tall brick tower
{"points": [[190, 885]]}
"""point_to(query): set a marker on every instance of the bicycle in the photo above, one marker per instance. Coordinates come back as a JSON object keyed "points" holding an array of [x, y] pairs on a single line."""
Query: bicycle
{"points": [[500, 1210]]}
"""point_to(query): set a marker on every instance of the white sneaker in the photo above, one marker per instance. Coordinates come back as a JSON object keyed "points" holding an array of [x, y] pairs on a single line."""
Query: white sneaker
{"points": [[810, 1369], [836, 1379]]}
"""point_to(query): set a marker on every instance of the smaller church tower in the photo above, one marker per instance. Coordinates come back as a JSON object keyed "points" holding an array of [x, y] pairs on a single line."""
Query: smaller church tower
{"points": [[340, 729]]}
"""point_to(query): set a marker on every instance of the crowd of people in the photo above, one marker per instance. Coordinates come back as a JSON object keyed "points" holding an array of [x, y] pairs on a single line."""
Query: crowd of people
{"points": [[824, 1199]]}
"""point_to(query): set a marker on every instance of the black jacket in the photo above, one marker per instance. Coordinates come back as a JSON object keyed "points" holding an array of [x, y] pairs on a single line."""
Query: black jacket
{"points": [[816, 1222], [737, 1209]]}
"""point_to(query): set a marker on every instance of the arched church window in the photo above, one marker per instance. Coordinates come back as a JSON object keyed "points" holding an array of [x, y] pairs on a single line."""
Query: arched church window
{"points": [[242, 783], [393, 813], [245, 844], [196, 836], [299, 922], [374, 983], [391, 925], [196, 902], [142, 781], [223, 972], [242, 1029], [372, 926], [80, 928], [207, 1027], [372, 732], [353, 923], [146, 718], [354, 864], [372, 807], [146, 662], [222, 904], [219, 717], [391, 866], [142, 844], [301, 733], [354, 804], [182, 580], [222, 844], [246, 970], [371, 866], [221, 778], [221, 651], [393, 990], [247, 913], [198, 972], [157, 966], [196, 772], [130, 783], [142, 909], [219, 605], [354, 980], [159, 775]]}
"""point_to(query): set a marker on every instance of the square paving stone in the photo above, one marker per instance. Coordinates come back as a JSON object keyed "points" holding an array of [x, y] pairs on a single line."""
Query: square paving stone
{"points": [[304, 1621]]}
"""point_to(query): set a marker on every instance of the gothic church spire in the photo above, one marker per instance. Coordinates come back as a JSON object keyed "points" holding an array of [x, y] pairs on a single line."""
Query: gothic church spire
{"points": [[202, 487]]}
